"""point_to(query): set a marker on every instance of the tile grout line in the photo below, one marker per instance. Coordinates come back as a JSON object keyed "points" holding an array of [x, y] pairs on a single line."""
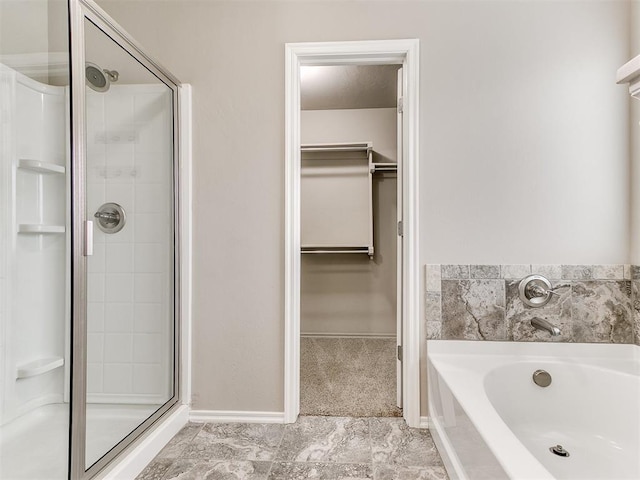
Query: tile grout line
{"points": [[373, 474], [275, 457], [191, 439], [164, 475], [179, 456]]}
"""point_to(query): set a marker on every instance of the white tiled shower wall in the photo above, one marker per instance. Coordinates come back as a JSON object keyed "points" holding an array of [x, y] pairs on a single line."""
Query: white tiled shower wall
{"points": [[32, 265], [129, 154]]}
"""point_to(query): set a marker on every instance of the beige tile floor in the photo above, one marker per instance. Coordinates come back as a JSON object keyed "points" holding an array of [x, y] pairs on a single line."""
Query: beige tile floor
{"points": [[325, 448]]}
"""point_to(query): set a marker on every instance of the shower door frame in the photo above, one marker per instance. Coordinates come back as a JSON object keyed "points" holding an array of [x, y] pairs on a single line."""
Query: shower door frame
{"points": [[80, 243]]}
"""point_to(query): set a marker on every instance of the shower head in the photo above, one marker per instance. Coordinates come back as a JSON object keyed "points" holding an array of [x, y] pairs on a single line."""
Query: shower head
{"points": [[99, 79]]}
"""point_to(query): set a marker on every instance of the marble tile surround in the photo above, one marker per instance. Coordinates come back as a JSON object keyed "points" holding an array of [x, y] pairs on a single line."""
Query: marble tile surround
{"points": [[597, 303], [327, 448]]}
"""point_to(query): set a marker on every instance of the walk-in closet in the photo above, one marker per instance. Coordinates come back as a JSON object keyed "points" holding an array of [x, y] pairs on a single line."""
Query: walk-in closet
{"points": [[349, 226]]}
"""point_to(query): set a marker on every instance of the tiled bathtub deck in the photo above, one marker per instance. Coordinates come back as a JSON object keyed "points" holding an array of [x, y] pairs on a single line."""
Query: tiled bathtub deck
{"points": [[327, 448]]}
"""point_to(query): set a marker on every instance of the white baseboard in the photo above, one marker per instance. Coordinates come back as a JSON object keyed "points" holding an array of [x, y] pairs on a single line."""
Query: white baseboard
{"points": [[424, 422], [132, 463], [346, 335], [221, 416], [235, 416]]}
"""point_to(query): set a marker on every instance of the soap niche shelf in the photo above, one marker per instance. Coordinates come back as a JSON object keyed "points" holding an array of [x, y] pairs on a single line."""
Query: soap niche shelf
{"points": [[38, 367], [40, 228], [48, 169], [39, 166]]}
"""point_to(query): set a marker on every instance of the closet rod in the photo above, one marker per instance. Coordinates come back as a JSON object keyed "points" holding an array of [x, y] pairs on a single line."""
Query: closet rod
{"points": [[384, 167], [338, 147], [322, 250]]}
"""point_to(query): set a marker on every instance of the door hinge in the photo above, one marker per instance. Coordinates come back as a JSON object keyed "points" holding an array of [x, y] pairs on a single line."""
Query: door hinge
{"points": [[400, 229], [400, 352], [400, 103]]}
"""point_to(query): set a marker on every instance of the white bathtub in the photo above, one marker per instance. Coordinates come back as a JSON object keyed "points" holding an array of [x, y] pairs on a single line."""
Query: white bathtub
{"points": [[491, 421]]}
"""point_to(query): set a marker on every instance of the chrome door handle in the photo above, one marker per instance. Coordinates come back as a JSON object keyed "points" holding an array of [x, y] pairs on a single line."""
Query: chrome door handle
{"points": [[88, 238]]}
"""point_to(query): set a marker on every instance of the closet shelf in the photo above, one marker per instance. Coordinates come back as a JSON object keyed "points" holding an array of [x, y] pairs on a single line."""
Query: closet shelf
{"points": [[630, 73], [39, 228], [39, 166], [38, 367]]}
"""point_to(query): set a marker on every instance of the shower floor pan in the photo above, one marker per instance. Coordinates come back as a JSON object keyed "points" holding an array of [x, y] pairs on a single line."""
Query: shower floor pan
{"points": [[35, 445]]}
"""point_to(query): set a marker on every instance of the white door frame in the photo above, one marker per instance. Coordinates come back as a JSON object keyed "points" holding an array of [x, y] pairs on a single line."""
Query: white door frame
{"points": [[378, 52]]}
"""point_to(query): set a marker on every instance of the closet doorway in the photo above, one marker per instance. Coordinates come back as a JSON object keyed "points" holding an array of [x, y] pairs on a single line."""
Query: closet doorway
{"points": [[352, 303], [350, 206]]}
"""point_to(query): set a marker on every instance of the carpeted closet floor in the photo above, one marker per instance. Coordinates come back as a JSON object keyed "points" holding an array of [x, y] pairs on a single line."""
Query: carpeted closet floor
{"points": [[348, 377]]}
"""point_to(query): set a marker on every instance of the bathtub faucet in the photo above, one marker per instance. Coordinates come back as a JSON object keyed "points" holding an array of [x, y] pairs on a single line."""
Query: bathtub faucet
{"points": [[542, 324]]}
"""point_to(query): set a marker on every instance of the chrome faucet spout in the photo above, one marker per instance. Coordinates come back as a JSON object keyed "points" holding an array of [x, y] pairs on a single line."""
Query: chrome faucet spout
{"points": [[542, 324]]}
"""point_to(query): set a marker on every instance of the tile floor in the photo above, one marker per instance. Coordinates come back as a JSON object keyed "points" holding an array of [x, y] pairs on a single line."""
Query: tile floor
{"points": [[327, 448]]}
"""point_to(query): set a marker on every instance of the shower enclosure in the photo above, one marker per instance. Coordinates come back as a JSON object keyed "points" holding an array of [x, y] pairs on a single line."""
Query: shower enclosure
{"points": [[89, 243]]}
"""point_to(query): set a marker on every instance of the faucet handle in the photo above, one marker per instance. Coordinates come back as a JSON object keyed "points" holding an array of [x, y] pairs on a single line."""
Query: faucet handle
{"points": [[552, 291], [536, 290]]}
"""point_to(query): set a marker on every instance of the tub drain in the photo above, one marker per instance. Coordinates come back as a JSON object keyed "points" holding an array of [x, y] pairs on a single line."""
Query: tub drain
{"points": [[558, 450], [542, 378]]}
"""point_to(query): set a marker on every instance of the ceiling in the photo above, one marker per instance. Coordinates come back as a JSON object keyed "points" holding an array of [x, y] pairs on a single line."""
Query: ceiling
{"points": [[348, 86]]}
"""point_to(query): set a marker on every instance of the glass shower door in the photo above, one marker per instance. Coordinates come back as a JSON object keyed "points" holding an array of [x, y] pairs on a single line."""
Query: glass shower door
{"points": [[130, 275]]}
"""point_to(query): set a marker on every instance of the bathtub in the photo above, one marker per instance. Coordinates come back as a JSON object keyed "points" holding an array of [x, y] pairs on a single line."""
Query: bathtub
{"points": [[490, 421]]}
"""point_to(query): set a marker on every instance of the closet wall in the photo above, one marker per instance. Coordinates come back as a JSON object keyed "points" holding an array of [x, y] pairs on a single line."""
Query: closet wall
{"points": [[352, 294]]}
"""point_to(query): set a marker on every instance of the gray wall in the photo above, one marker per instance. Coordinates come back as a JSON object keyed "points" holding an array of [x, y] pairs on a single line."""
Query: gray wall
{"points": [[524, 149], [353, 125], [36, 27], [24, 26]]}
